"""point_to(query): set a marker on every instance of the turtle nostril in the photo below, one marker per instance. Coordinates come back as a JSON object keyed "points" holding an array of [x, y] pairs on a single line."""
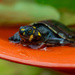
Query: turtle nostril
{"points": [[21, 30], [21, 27]]}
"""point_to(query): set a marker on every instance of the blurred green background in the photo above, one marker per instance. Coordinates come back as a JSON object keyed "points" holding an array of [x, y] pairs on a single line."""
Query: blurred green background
{"points": [[20, 12], [17, 12]]}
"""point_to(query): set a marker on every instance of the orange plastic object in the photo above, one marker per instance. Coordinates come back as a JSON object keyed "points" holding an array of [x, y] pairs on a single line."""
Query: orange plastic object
{"points": [[58, 58]]}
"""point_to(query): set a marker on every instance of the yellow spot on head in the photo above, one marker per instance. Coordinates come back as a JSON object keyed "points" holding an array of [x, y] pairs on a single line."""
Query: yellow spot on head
{"points": [[34, 27], [33, 31], [31, 37], [22, 29], [39, 34], [23, 33]]}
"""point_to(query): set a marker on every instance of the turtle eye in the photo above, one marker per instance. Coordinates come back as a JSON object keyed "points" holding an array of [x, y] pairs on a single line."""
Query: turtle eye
{"points": [[30, 31]]}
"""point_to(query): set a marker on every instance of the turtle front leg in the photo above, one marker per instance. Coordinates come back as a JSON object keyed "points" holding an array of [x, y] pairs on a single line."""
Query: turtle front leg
{"points": [[15, 38]]}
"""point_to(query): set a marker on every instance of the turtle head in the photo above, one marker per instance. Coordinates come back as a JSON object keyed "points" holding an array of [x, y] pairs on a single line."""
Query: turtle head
{"points": [[28, 33]]}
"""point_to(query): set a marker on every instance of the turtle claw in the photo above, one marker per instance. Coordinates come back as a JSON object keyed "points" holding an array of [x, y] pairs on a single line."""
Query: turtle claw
{"points": [[15, 39], [36, 46]]}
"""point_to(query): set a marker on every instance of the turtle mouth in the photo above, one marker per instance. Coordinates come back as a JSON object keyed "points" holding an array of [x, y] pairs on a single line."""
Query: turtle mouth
{"points": [[24, 38]]}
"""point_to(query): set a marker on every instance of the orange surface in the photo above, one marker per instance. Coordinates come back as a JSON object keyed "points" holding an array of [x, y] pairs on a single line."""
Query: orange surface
{"points": [[59, 58]]}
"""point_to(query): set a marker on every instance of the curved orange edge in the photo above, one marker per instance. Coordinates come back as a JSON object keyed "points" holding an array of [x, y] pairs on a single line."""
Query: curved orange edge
{"points": [[50, 57]]}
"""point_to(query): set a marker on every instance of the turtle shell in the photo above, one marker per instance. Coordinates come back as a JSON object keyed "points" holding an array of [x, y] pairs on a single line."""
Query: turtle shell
{"points": [[58, 28]]}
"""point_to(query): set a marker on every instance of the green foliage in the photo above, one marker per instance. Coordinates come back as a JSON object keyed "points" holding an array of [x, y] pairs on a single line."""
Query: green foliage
{"points": [[24, 12], [70, 4], [9, 68], [68, 18]]}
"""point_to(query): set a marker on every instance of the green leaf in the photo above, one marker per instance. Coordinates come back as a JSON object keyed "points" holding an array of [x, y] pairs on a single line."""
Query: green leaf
{"points": [[9, 68], [68, 18], [67, 4], [23, 12]]}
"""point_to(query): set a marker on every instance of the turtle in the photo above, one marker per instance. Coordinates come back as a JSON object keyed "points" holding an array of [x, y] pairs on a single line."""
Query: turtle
{"points": [[48, 32]]}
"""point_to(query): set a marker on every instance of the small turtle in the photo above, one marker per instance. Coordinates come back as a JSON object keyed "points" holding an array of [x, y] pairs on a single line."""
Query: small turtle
{"points": [[48, 32]]}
